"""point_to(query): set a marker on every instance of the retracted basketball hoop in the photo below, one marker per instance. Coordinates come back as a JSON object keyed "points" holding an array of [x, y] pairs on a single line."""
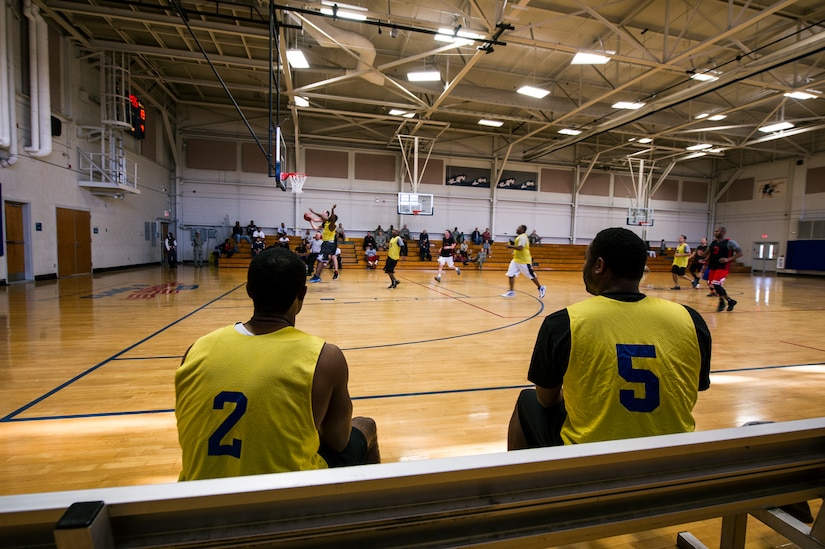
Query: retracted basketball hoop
{"points": [[296, 181]]}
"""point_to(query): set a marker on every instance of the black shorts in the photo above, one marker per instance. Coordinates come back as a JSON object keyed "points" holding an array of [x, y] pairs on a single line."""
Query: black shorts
{"points": [[354, 454], [389, 265], [541, 426], [328, 248], [677, 270]]}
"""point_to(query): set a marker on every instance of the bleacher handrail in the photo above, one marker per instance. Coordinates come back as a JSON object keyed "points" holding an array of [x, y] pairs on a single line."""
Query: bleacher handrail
{"points": [[533, 498]]}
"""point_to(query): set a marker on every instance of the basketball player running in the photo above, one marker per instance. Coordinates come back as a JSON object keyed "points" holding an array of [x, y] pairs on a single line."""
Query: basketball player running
{"points": [[721, 252], [680, 260], [393, 255], [445, 255], [325, 222], [617, 365], [522, 263], [261, 396]]}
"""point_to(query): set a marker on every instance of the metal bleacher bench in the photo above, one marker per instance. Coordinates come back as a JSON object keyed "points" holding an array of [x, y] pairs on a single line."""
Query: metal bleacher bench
{"points": [[530, 498]]}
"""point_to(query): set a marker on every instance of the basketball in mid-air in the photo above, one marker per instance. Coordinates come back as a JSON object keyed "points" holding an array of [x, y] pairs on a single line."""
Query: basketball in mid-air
{"points": [[308, 216]]}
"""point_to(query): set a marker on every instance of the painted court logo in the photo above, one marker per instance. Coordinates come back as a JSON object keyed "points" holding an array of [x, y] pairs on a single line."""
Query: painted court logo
{"points": [[141, 291]]}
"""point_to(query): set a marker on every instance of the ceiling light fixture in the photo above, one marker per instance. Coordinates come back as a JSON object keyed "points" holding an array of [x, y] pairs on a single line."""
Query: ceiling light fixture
{"points": [[344, 11], [645, 140], [301, 101], [701, 116], [699, 147], [569, 131], [717, 117], [296, 59], [628, 105], [457, 36], [800, 95], [399, 112], [778, 127], [704, 77], [694, 155], [424, 76], [491, 123], [538, 93], [584, 58]]}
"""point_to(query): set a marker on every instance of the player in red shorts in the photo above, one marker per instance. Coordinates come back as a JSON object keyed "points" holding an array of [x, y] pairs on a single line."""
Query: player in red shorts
{"points": [[721, 253]]}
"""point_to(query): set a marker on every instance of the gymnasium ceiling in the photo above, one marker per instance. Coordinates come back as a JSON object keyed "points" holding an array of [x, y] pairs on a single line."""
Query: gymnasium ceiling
{"points": [[756, 52]]}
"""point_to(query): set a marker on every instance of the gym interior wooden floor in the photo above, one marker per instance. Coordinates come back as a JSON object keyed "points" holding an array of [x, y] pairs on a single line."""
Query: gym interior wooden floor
{"points": [[88, 362]]}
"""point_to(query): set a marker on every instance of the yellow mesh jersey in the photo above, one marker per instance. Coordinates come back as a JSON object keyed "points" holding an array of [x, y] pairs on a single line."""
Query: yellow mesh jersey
{"points": [[394, 251], [681, 261], [522, 255], [327, 234], [646, 385], [252, 417]]}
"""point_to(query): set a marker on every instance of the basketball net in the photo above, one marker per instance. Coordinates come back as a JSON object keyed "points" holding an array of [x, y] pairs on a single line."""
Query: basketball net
{"points": [[296, 181]]}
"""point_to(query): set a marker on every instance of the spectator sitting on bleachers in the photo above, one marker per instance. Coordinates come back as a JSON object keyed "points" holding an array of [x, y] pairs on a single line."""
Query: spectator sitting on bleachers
{"points": [[283, 241], [369, 240], [380, 240], [371, 256], [481, 257], [258, 245], [534, 238]]}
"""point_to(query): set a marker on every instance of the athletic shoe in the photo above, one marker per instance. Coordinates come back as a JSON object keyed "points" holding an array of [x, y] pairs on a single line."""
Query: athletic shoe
{"points": [[676, 288], [712, 294], [315, 278], [458, 272], [396, 283], [438, 279], [542, 290], [511, 293], [721, 306], [731, 304], [391, 287], [695, 283], [334, 276]]}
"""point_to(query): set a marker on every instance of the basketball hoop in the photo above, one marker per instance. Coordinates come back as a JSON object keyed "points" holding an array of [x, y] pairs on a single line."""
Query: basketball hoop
{"points": [[296, 181], [416, 212]]}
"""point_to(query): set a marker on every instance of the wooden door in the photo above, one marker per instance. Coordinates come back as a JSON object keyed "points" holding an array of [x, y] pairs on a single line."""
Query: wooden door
{"points": [[15, 242], [74, 246]]}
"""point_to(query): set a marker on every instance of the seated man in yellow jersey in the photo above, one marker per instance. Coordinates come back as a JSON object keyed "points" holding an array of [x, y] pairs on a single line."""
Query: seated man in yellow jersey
{"points": [[261, 396], [618, 365]]}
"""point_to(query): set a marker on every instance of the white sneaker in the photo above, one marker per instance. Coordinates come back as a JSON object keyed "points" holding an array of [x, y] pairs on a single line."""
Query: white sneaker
{"points": [[458, 272], [511, 293], [542, 290], [438, 279]]}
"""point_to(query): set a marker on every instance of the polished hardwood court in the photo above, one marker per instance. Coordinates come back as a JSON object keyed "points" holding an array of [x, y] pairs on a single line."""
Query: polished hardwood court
{"points": [[88, 363]]}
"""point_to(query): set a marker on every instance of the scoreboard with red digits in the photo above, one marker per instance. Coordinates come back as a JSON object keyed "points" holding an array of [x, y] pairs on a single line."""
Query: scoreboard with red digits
{"points": [[137, 117]]}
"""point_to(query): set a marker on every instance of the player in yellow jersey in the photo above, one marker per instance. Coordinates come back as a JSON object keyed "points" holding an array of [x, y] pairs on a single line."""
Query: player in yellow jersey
{"points": [[681, 256], [261, 396], [393, 255], [618, 365], [326, 223], [522, 263]]}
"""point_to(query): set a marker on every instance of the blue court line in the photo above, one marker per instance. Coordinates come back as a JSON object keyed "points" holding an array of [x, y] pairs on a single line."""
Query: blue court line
{"points": [[8, 419], [81, 375]]}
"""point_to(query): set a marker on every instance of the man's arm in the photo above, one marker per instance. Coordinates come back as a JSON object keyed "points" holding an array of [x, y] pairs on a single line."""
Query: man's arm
{"points": [[331, 404]]}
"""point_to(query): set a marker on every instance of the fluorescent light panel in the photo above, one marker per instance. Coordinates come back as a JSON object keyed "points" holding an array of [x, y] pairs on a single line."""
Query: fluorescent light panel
{"points": [[800, 95], [491, 123], [399, 112], [424, 76], [703, 77], [699, 147], [717, 117], [628, 105], [533, 92], [296, 59], [645, 140], [462, 38], [344, 14], [569, 131], [779, 126], [301, 101], [584, 58]]}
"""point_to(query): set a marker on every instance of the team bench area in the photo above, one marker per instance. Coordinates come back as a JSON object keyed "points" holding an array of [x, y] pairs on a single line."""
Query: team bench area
{"points": [[531, 498]]}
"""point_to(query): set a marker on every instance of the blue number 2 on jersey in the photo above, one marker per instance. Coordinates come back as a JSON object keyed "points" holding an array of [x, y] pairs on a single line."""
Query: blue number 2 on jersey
{"points": [[215, 447], [628, 397]]}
